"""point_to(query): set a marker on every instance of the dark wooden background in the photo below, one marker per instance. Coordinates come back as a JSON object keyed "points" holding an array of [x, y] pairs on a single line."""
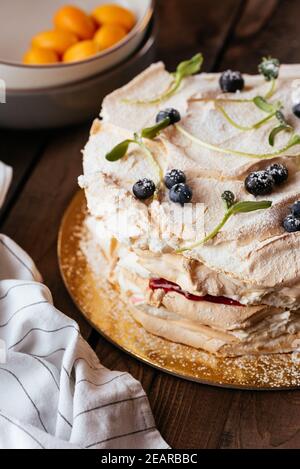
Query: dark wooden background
{"points": [[230, 33]]}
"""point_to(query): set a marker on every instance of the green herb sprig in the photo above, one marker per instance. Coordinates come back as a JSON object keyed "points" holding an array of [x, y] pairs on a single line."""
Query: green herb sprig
{"points": [[274, 110], [154, 131], [228, 198], [120, 150], [184, 70], [262, 104], [269, 68], [282, 126], [294, 140], [265, 106], [233, 209]]}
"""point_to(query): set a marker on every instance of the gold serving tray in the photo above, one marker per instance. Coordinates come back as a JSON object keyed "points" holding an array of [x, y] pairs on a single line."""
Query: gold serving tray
{"points": [[109, 315]]}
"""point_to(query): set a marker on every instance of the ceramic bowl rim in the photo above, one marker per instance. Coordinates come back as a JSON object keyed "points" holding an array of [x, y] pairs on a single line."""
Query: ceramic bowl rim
{"points": [[138, 28], [147, 43]]}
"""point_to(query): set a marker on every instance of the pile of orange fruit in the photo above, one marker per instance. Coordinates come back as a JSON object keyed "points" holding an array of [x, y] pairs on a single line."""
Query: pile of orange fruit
{"points": [[77, 35]]}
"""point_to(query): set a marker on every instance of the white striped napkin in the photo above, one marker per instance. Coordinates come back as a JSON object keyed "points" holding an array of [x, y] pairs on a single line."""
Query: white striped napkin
{"points": [[5, 178], [54, 393]]}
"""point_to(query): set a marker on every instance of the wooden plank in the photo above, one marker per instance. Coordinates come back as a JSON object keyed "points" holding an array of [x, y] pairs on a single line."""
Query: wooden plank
{"points": [[189, 415], [276, 33], [255, 16], [263, 420], [34, 221], [21, 151], [192, 26]]}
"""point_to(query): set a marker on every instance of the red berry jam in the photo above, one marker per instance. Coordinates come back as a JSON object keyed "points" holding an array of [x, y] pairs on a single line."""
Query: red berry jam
{"points": [[160, 283]]}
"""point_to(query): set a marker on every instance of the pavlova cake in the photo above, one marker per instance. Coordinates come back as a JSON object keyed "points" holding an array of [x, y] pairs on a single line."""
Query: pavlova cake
{"points": [[193, 189]]}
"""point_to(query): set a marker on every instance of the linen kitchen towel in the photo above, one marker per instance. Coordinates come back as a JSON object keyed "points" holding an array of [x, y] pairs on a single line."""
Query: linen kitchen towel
{"points": [[5, 178], [54, 393]]}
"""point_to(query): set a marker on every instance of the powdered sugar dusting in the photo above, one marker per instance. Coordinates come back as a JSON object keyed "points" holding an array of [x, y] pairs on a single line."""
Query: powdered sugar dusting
{"points": [[233, 75]]}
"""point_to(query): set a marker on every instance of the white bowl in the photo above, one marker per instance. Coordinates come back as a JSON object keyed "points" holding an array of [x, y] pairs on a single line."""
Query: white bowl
{"points": [[20, 20], [76, 102]]}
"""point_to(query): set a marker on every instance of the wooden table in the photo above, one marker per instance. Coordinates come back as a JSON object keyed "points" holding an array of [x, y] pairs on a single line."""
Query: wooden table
{"points": [[230, 33]]}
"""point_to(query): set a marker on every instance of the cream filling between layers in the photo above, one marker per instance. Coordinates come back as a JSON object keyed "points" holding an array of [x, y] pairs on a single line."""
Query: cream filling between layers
{"points": [[264, 335], [198, 277], [216, 328]]}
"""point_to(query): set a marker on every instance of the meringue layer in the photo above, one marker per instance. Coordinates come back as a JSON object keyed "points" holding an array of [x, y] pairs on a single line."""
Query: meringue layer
{"points": [[251, 260]]}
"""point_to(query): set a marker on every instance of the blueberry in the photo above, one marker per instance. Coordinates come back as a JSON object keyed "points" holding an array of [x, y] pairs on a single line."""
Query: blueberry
{"points": [[259, 183], [296, 209], [291, 224], [172, 114], [144, 189], [181, 194], [278, 172], [296, 110], [230, 81], [175, 176]]}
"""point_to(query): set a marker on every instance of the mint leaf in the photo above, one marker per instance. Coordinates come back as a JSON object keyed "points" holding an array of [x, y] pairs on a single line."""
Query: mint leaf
{"points": [[190, 67], [295, 140], [283, 126], [277, 130], [184, 69], [119, 151], [152, 132], [263, 104], [249, 206]]}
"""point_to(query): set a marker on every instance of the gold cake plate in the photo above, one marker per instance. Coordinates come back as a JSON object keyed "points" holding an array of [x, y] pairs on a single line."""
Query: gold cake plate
{"points": [[109, 315]]}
